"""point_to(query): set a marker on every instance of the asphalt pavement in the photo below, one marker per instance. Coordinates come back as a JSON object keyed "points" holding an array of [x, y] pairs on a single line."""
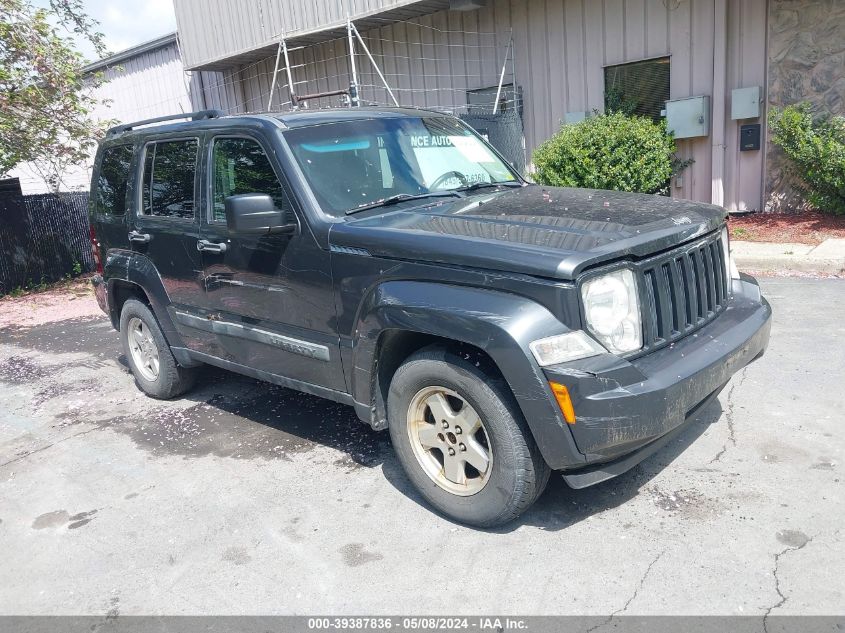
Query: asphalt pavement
{"points": [[244, 498]]}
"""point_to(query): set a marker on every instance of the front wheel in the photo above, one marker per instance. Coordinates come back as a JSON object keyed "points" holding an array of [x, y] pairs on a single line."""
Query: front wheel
{"points": [[462, 440]]}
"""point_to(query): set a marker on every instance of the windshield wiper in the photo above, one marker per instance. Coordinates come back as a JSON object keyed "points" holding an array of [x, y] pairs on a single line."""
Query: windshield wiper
{"points": [[401, 197], [495, 183]]}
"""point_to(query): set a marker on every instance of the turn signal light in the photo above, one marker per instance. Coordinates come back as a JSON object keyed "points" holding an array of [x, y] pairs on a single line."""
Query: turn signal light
{"points": [[564, 402]]}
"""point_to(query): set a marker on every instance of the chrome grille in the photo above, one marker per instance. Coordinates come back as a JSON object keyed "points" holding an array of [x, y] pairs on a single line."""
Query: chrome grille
{"points": [[682, 291]]}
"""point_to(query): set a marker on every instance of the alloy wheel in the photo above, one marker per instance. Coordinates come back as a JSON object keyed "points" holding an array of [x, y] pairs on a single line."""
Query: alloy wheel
{"points": [[449, 440], [143, 348]]}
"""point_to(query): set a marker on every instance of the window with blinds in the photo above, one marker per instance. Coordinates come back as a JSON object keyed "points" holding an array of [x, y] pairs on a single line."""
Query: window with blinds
{"points": [[638, 87]]}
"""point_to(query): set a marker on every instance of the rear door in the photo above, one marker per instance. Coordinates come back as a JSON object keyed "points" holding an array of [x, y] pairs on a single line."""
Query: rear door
{"points": [[269, 297], [166, 225]]}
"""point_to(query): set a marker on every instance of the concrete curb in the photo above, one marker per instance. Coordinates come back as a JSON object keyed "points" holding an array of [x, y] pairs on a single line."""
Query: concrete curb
{"points": [[828, 257]]}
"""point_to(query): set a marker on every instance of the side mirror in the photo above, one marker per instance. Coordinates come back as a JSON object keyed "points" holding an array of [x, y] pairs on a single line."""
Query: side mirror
{"points": [[255, 214]]}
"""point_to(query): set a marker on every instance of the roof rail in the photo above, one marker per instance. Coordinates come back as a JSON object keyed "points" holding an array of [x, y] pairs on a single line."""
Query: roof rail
{"points": [[193, 116]]}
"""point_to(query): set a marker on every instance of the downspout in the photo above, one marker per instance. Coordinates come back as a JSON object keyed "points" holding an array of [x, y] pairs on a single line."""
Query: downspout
{"points": [[717, 127], [764, 181]]}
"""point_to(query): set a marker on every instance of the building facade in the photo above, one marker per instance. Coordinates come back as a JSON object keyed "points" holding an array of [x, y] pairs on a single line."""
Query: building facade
{"points": [[720, 64]]}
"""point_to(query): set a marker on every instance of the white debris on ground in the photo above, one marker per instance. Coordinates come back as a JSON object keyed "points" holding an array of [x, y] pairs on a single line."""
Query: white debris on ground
{"points": [[70, 300]]}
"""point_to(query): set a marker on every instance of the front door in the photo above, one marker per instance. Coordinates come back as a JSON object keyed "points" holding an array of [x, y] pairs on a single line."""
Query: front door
{"points": [[166, 225], [269, 297]]}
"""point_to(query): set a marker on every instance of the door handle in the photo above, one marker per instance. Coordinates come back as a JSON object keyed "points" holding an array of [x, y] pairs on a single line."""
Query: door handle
{"points": [[135, 236], [211, 247]]}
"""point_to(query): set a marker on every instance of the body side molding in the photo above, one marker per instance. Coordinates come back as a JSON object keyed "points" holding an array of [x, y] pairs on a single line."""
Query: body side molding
{"points": [[240, 330]]}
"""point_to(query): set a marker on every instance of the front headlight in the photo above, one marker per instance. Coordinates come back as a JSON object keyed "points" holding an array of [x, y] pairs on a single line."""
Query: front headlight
{"points": [[731, 271], [612, 309]]}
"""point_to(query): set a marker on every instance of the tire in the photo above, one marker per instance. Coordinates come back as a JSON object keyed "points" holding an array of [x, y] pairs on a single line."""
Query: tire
{"points": [[164, 378], [515, 473]]}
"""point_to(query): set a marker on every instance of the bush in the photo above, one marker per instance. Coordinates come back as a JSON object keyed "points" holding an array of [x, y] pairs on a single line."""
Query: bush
{"points": [[816, 147], [609, 151]]}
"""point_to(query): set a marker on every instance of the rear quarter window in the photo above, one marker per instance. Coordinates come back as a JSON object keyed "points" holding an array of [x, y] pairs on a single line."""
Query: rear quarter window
{"points": [[112, 180]]}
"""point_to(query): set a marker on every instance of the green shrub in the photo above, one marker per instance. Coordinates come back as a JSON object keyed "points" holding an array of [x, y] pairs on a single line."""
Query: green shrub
{"points": [[816, 147], [609, 151]]}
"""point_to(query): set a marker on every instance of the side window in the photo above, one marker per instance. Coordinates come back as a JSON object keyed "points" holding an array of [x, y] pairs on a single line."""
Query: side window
{"points": [[241, 166], [640, 88], [168, 185], [112, 180]]}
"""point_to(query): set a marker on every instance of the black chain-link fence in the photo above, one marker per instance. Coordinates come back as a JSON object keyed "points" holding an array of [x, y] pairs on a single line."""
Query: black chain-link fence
{"points": [[43, 238], [504, 132]]}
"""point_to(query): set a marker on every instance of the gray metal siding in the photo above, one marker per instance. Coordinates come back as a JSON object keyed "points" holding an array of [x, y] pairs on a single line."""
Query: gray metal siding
{"points": [[561, 48]]}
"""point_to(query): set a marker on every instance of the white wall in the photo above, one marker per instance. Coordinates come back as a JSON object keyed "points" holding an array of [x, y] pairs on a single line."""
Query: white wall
{"points": [[148, 85]]}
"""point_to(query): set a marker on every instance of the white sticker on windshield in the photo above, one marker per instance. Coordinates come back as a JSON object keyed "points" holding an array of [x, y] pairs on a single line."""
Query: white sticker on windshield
{"points": [[472, 149]]}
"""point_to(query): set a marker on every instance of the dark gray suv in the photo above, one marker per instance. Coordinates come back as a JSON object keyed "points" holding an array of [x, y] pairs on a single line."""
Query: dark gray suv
{"points": [[391, 260]]}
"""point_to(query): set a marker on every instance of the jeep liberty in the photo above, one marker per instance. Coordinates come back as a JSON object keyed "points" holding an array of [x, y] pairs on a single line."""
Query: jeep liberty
{"points": [[390, 259]]}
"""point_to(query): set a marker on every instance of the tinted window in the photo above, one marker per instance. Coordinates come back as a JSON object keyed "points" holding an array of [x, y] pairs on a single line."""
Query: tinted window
{"points": [[112, 180], [168, 187], [637, 88], [241, 166]]}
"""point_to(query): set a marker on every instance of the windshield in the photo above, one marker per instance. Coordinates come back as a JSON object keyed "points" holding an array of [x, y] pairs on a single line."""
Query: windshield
{"points": [[355, 164]]}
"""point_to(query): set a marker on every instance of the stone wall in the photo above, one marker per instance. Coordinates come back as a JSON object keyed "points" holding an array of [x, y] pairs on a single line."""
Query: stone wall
{"points": [[806, 63]]}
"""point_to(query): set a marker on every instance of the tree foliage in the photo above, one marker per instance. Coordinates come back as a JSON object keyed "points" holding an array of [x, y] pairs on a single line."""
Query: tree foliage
{"points": [[46, 100], [609, 151], [816, 146]]}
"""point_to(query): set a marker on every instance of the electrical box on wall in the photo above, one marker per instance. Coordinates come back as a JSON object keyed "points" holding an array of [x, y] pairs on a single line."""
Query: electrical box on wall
{"points": [[688, 118], [749, 137], [745, 103]]}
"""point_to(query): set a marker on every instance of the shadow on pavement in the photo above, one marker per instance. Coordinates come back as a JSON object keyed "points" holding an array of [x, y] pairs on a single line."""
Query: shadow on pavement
{"points": [[239, 417], [561, 506]]}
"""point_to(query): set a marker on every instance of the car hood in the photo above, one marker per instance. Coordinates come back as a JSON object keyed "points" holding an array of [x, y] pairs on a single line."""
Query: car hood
{"points": [[547, 231]]}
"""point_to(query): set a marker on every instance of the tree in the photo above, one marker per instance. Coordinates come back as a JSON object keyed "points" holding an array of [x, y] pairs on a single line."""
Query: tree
{"points": [[46, 100]]}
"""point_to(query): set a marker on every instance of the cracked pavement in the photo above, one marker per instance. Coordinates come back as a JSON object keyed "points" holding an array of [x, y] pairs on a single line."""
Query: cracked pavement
{"points": [[796, 540], [737, 381], [242, 497]]}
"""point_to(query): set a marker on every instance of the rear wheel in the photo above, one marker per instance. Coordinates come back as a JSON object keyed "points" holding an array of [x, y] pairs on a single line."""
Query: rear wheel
{"points": [[462, 440], [156, 371]]}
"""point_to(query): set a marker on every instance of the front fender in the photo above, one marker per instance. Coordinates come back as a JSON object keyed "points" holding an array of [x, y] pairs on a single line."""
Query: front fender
{"points": [[501, 324]]}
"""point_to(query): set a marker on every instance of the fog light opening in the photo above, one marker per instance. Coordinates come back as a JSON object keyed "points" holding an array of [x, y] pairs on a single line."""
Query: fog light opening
{"points": [[564, 402]]}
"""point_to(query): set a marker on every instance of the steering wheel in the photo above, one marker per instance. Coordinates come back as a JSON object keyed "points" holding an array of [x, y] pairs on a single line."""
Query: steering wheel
{"points": [[448, 175]]}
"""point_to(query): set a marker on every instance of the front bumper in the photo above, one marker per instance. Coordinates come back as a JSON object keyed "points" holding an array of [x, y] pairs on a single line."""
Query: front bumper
{"points": [[624, 409]]}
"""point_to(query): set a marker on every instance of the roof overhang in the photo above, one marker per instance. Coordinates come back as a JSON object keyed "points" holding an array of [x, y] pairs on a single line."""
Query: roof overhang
{"points": [[325, 33]]}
